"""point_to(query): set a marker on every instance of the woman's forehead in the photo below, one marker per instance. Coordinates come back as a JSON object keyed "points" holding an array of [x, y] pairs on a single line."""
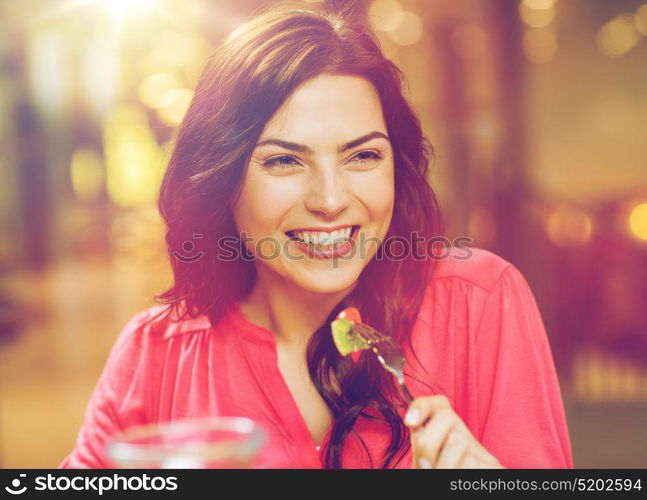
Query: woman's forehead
{"points": [[328, 108]]}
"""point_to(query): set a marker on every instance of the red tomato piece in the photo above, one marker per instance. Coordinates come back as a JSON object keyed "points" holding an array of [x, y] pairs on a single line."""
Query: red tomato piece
{"points": [[351, 314]]}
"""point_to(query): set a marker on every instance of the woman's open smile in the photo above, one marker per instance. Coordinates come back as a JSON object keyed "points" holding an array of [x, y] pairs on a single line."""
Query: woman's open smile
{"points": [[325, 243]]}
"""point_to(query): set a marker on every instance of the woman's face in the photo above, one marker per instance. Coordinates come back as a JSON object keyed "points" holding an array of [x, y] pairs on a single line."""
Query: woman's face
{"points": [[323, 161]]}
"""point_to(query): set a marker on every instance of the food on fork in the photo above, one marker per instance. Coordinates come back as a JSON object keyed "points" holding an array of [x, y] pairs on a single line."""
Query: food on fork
{"points": [[346, 339], [351, 336]]}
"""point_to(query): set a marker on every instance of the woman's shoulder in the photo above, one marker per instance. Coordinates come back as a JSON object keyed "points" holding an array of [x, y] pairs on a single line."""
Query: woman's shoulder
{"points": [[475, 266], [161, 322]]}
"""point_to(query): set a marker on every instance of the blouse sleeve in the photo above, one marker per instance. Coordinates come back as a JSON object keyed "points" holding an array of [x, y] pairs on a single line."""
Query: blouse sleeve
{"points": [[117, 400], [521, 414]]}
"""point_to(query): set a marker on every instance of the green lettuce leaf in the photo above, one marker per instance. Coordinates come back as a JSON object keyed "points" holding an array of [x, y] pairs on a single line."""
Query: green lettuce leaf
{"points": [[345, 339]]}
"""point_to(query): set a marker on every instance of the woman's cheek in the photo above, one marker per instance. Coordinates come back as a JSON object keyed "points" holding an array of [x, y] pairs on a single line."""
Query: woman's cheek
{"points": [[269, 198], [376, 191]]}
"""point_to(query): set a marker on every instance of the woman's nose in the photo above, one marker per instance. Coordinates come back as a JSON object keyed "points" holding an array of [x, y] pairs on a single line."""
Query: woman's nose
{"points": [[328, 194]]}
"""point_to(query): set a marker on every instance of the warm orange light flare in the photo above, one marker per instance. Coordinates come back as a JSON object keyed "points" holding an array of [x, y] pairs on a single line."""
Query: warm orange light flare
{"points": [[385, 15], [409, 30], [618, 36], [567, 227], [640, 19], [638, 221]]}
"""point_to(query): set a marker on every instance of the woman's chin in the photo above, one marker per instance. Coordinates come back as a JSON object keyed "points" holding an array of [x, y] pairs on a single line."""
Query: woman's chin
{"points": [[327, 282]]}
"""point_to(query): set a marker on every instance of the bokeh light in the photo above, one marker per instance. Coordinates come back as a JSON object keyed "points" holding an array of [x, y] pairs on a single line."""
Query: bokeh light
{"points": [[536, 17], [638, 221], [100, 73], [567, 227], [539, 4], [386, 15], [174, 105], [640, 19], [485, 128], [618, 36], [539, 45], [49, 80], [133, 159], [86, 173], [153, 89], [409, 30]]}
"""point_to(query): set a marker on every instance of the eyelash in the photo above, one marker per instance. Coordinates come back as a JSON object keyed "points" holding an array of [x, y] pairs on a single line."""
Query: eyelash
{"points": [[276, 161]]}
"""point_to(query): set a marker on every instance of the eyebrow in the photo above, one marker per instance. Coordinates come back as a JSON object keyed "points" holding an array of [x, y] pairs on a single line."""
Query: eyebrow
{"points": [[301, 148]]}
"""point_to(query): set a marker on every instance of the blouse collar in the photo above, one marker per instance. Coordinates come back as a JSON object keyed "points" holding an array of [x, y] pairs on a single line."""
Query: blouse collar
{"points": [[248, 330]]}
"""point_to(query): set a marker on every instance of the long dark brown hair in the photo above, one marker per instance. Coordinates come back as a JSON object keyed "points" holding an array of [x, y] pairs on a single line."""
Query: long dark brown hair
{"points": [[246, 80]]}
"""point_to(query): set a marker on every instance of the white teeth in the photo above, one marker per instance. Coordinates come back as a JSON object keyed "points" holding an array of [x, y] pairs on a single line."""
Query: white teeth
{"points": [[323, 238]]}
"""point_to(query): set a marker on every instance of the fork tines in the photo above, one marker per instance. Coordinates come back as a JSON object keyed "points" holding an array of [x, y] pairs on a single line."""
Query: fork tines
{"points": [[372, 336], [388, 352]]}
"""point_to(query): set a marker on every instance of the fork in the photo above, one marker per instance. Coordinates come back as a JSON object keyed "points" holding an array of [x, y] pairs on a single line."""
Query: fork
{"points": [[388, 352]]}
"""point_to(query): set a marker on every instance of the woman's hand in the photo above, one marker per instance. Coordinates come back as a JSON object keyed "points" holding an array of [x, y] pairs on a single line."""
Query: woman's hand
{"points": [[444, 441]]}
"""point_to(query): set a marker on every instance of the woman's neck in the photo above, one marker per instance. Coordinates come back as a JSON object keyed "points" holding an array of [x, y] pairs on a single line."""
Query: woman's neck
{"points": [[290, 312]]}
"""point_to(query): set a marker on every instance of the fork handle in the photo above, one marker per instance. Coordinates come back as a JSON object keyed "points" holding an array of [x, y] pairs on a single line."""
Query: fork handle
{"points": [[408, 395], [405, 390]]}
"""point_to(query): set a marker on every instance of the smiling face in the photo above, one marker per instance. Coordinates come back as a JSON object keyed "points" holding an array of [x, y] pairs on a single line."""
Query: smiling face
{"points": [[322, 162]]}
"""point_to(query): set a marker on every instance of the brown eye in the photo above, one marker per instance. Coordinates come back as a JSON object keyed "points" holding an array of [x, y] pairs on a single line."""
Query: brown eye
{"points": [[282, 162], [365, 157]]}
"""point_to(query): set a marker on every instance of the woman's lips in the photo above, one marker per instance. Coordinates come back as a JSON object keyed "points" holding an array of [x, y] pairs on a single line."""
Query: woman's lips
{"points": [[333, 251], [323, 229]]}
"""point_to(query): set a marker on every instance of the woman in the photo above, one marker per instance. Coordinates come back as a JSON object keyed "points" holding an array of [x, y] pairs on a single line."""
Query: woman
{"points": [[300, 147]]}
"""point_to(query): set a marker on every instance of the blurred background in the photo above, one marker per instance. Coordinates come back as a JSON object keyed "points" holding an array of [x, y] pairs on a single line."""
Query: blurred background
{"points": [[538, 112]]}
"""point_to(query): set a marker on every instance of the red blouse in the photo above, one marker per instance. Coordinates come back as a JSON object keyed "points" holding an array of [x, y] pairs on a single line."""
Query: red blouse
{"points": [[479, 336]]}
